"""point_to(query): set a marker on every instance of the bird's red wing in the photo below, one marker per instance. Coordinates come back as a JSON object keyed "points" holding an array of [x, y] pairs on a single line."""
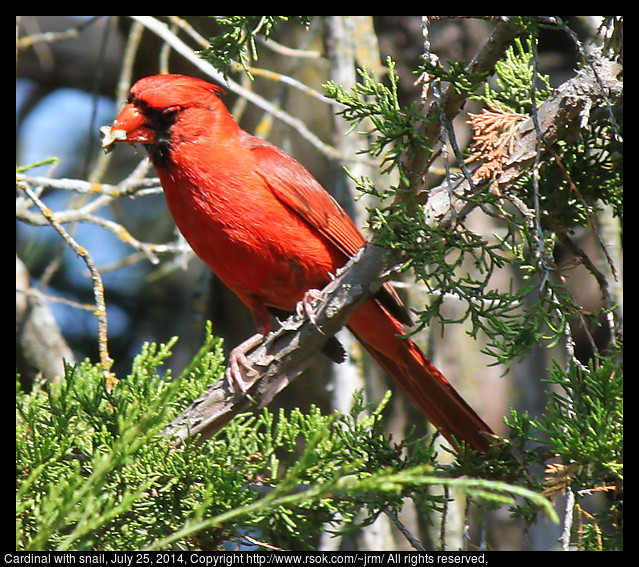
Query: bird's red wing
{"points": [[294, 186]]}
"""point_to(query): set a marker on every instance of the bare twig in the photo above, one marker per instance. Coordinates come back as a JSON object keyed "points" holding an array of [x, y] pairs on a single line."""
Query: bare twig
{"points": [[98, 287], [415, 543], [124, 189], [85, 213]]}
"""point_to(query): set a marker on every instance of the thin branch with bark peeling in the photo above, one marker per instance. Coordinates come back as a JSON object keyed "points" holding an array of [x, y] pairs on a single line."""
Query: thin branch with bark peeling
{"points": [[98, 287], [561, 117]]}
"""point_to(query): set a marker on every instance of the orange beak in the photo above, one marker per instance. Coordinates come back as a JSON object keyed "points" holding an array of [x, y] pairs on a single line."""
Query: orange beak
{"points": [[130, 126]]}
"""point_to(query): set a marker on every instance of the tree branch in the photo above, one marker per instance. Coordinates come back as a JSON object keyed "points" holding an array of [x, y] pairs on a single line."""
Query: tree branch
{"points": [[561, 117]]}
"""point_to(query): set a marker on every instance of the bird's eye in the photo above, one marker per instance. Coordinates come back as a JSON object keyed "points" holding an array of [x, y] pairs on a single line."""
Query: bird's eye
{"points": [[167, 115]]}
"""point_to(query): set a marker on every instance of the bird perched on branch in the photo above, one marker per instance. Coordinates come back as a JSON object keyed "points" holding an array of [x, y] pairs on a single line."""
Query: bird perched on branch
{"points": [[271, 233]]}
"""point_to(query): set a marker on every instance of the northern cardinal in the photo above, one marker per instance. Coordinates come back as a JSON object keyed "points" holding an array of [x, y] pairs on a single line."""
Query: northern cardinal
{"points": [[271, 232]]}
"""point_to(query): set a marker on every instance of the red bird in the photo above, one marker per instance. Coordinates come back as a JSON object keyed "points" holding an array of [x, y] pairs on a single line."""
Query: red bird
{"points": [[271, 232]]}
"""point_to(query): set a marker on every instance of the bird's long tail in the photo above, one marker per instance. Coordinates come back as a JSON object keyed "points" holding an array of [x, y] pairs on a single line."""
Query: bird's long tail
{"points": [[411, 370]]}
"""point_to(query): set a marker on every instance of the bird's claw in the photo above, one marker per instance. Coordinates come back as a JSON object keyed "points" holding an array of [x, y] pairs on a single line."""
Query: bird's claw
{"points": [[306, 307], [239, 368]]}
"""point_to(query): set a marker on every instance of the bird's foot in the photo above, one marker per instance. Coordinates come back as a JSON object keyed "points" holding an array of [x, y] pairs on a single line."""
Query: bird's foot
{"points": [[240, 374], [307, 305]]}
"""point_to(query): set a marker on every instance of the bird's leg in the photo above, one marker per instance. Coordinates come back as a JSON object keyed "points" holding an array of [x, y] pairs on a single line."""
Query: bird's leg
{"points": [[240, 375], [239, 366]]}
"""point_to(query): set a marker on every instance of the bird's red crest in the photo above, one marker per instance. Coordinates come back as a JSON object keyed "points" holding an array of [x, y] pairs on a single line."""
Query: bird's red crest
{"points": [[163, 91]]}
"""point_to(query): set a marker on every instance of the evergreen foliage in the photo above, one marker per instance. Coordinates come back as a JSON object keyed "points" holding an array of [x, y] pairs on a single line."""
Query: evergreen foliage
{"points": [[95, 472]]}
